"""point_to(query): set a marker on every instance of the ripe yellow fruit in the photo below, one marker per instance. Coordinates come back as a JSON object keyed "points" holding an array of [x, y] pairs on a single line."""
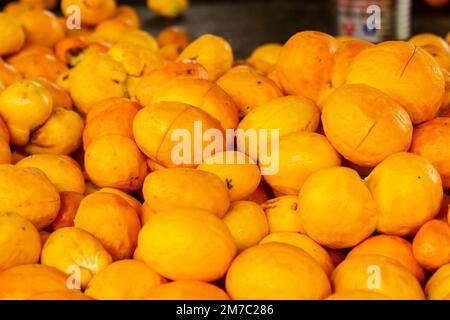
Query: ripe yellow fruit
{"points": [[168, 8], [438, 287], [25, 105], [28, 192], [357, 295], [247, 223], [177, 188], [336, 208], [187, 290], [302, 241], [70, 248], [237, 170], [96, 78], [265, 57], [5, 152], [187, 244], [406, 73], [25, 281], [123, 280], [212, 52], [119, 222], [365, 125], [248, 88], [283, 214], [408, 192], [61, 170], [139, 38], [68, 209], [115, 161], [276, 271], [41, 27], [19, 241], [60, 295], [379, 274], [12, 35], [92, 12], [300, 154]]}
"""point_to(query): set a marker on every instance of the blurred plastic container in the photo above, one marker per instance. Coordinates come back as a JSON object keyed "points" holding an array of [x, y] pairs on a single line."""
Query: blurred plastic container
{"points": [[354, 19]]}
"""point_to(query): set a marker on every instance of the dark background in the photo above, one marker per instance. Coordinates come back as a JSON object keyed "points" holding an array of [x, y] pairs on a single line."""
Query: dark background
{"points": [[249, 23]]}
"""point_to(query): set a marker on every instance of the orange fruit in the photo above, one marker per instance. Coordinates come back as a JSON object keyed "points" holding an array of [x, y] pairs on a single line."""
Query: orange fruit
{"points": [[283, 214], [187, 290], [68, 209], [41, 27], [438, 286], [12, 34], [60, 295]]}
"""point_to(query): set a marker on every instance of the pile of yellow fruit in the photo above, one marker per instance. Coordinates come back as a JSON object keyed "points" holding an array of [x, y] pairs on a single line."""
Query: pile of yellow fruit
{"points": [[92, 205]]}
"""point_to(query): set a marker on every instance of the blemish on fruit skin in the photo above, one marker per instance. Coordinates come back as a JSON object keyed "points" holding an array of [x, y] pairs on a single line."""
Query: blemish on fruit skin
{"points": [[23, 228], [294, 206], [229, 183]]}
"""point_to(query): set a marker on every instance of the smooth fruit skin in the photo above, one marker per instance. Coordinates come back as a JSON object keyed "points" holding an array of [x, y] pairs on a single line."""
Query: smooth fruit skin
{"points": [[62, 171], [247, 223], [187, 290], [365, 125], [248, 88], [60, 295], [431, 140], [393, 247], [357, 295], [19, 241], [212, 52], [119, 220], [25, 105], [12, 35], [274, 271], [264, 58], [420, 85], [283, 214], [70, 202], [408, 192], [302, 241], [242, 175], [305, 64], [68, 247], [431, 245], [124, 280], [187, 244], [336, 208], [174, 188], [379, 274], [25, 281], [92, 11], [438, 287], [168, 8], [41, 27], [300, 154], [115, 161], [28, 192]]}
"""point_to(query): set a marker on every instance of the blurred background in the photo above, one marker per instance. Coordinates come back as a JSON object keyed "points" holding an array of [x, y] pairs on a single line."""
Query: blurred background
{"points": [[249, 23]]}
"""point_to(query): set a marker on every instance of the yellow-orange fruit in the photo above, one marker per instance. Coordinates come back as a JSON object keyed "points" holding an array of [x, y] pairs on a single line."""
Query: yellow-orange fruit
{"points": [[166, 133], [187, 244], [41, 27], [212, 52], [139, 38], [110, 116], [260, 195], [299, 155], [119, 221], [248, 88], [392, 247], [128, 14], [28, 192], [12, 35], [438, 287], [238, 171], [5, 152], [264, 58], [187, 290], [357, 295], [431, 140], [19, 241], [283, 214], [146, 213], [305, 64], [70, 202], [365, 125], [8, 74], [379, 274], [406, 73], [92, 12], [111, 30], [60, 295], [123, 280], [77, 252], [22, 282], [115, 161], [168, 9], [336, 208], [408, 192], [431, 245], [60, 98], [247, 223], [302, 241], [132, 201], [202, 94], [276, 271], [45, 4], [183, 188], [62, 171], [174, 35]]}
